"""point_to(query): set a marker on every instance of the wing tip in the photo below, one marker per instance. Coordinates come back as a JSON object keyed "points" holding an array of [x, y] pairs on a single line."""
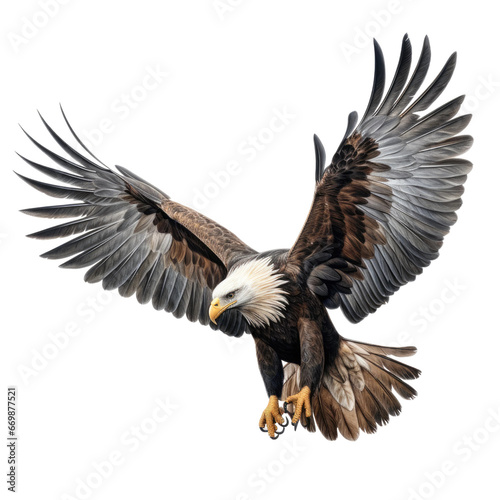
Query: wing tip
{"points": [[379, 55], [319, 151]]}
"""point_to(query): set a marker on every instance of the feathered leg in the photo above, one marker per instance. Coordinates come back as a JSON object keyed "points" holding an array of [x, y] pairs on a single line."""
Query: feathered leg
{"points": [[312, 359], [271, 369]]}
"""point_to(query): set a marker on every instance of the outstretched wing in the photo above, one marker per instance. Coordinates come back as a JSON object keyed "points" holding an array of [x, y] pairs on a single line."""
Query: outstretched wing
{"points": [[135, 238], [389, 196]]}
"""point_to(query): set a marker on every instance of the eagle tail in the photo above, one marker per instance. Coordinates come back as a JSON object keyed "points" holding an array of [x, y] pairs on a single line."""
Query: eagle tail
{"points": [[356, 391]]}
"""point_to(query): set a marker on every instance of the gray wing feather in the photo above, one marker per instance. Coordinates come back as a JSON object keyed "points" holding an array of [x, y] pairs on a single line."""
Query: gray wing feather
{"points": [[120, 229], [424, 178]]}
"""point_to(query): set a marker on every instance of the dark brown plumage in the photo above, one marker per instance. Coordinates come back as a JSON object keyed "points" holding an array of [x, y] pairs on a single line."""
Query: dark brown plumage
{"points": [[378, 217]]}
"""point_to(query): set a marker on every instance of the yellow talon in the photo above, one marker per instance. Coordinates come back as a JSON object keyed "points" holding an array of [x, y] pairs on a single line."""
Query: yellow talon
{"points": [[270, 415], [301, 400]]}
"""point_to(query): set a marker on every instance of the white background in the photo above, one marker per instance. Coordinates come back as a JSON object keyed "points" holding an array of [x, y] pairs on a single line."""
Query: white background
{"points": [[228, 71]]}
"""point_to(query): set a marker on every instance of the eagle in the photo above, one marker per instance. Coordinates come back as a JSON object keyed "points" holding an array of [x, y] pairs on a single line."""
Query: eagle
{"points": [[379, 213]]}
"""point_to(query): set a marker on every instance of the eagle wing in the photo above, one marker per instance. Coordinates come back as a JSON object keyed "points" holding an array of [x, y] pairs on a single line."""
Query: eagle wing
{"points": [[390, 194], [134, 237]]}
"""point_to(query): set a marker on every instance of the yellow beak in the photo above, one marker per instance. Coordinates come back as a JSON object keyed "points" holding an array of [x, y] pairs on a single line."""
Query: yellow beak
{"points": [[216, 310]]}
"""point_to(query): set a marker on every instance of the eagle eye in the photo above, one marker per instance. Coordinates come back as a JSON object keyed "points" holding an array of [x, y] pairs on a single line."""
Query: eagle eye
{"points": [[230, 295]]}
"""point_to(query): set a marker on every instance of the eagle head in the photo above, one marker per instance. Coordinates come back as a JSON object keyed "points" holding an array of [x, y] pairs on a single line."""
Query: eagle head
{"points": [[256, 289]]}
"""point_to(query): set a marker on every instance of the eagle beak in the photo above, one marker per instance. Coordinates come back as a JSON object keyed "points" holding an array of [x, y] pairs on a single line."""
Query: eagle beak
{"points": [[216, 310]]}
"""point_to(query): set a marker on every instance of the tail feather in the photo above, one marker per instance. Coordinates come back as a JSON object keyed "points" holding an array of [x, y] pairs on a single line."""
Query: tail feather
{"points": [[400, 352], [369, 411], [383, 394], [324, 413], [347, 422], [356, 392], [391, 380], [403, 371]]}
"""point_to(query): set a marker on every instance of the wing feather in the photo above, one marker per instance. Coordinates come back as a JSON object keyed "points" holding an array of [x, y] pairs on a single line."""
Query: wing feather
{"points": [[390, 194], [134, 237]]}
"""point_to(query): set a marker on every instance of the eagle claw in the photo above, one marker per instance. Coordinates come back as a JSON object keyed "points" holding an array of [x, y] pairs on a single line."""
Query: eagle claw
{"points": [[301, 401], [286, 420], [277, 433], [283, 424], [271, 416]]}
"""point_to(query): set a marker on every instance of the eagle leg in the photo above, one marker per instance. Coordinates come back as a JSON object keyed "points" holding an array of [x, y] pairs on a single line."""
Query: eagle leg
{"points": [[271, 369], [271, 416], [312, 357]]}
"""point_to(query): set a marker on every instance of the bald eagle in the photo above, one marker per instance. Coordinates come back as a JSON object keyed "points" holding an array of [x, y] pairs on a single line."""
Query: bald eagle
{"points": [[379, 214]]}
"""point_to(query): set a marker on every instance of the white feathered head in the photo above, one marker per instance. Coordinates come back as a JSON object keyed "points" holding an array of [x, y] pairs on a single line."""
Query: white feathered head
{"points": [[256, 289]]}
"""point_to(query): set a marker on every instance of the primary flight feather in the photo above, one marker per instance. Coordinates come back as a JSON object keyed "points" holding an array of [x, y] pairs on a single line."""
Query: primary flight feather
{"points": [[380, 211]]}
